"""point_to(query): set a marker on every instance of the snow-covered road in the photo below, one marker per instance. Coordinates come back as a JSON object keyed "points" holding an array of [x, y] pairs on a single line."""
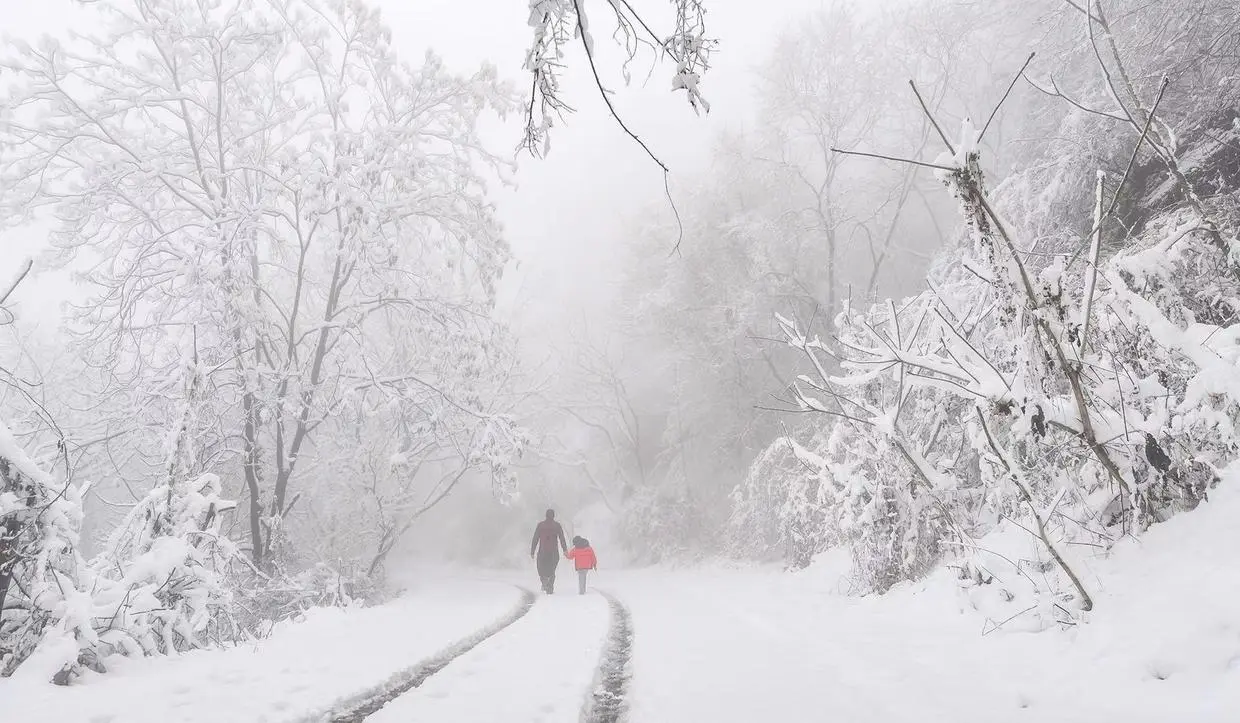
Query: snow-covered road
{"points": [[538, 670], [721, 645], [361, 706]]}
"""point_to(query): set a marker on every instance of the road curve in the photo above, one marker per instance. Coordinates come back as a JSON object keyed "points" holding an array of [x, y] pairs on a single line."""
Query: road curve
{"points": [[359, 707]]}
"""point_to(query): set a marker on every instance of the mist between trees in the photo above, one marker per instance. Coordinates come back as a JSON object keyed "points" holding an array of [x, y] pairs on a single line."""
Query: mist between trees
{"points": [[941, 288]]}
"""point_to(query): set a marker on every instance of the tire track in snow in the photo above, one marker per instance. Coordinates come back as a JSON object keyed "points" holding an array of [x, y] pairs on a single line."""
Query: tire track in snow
{"points": [[358, 707], [608, 702]]}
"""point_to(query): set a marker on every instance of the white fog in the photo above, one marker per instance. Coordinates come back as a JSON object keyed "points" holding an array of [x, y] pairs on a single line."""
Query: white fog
{"points": [[642, 361]]}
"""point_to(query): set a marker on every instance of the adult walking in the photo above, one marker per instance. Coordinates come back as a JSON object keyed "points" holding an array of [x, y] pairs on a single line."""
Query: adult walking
{"points": [[546, 534]]}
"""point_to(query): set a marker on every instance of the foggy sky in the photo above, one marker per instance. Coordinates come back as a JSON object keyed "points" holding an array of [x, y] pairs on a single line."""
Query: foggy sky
{"points": [[566, 214]]}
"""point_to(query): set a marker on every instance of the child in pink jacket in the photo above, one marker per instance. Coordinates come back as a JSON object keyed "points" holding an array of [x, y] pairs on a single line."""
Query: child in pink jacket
{"points": [[584, 560]]}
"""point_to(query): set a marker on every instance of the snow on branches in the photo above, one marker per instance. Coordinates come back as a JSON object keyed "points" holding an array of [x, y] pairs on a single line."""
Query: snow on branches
{"points": [[274, 182], [1079, 399], [39, 566], [157, 588], [556, 23], [164, 571]]}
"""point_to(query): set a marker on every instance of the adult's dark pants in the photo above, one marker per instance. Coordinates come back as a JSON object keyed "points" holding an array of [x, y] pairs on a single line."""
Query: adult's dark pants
{"points": [[547, 563]]}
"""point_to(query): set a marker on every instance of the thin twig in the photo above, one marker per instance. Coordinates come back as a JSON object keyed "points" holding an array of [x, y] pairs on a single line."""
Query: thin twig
{"points": [[1008, 92], [640, 21], [20, 275], [996, 626], [892, 158], [680, 226], [1087, 603], [1055, 92], [1162, 88], [598, 81], [925, 109], [1082, 10], [1106, 72]]}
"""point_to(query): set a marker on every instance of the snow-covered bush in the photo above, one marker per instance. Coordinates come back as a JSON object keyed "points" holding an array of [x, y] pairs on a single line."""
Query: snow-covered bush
{"points": [[780, 509], [663, 523], [158, 588], [877, 473], [160, 581], [1078, 399], [41, 594]]}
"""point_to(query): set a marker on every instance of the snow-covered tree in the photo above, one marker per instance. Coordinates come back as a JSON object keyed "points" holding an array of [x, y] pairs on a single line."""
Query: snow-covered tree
{"points": [[273, 183]]}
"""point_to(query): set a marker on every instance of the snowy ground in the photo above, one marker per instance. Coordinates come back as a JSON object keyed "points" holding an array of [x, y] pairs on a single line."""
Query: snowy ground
{"points": [[302, 669], [1163, 644], [727, 645], [538, 671]]}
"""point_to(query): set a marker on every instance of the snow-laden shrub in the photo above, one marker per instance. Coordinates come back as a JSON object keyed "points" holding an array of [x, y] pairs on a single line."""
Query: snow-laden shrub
{"points": [[260, 601], [1078, 402], [1171, 310], [780, 507], [160, 579], [40, 590], [157, 588], [662, 523]]}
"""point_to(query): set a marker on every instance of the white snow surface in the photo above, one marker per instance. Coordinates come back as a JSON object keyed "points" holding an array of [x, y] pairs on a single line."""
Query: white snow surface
{"points": [[736, 646], [728, 644], [303, 668], [539, 670]]}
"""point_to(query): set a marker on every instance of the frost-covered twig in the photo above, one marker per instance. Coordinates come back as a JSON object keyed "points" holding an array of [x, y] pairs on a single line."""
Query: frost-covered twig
{"points": [[1132, 160], [17, 279], [555, 22], [1091, 270]]}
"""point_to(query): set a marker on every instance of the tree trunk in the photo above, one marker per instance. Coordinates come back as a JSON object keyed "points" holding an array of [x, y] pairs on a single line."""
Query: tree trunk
{"points": [[7, 560], [250, 465]]}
